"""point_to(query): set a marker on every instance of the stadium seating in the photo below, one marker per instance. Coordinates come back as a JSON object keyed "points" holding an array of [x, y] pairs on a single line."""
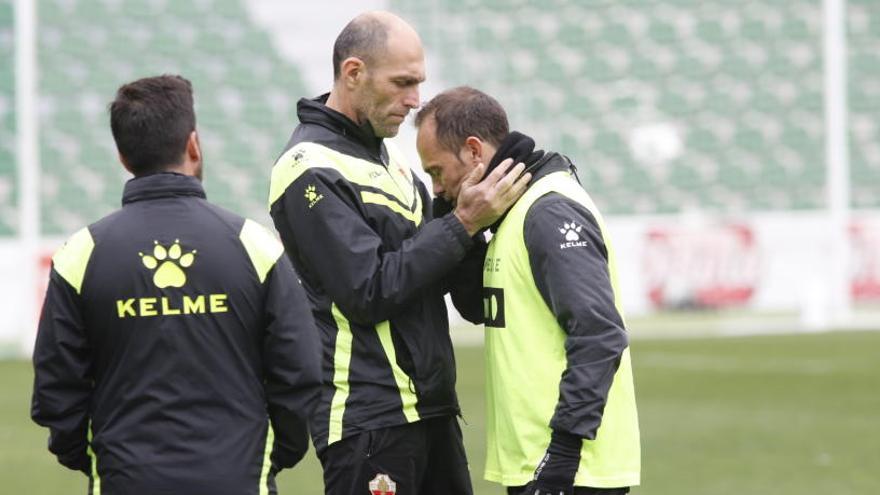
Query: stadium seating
{"points": [[670, 105], [245, 98], [665, 105], [864, 101], [8, 176]]}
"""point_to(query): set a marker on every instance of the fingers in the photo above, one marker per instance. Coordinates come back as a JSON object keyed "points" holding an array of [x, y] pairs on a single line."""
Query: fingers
{"points": [[499, 172], [515, 191], [475, 175], [512, 175], [499, 189], [520, 186]]}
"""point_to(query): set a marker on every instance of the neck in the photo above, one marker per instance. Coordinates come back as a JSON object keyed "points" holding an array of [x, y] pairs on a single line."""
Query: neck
{"points": [[339, 101], [188, 168]]}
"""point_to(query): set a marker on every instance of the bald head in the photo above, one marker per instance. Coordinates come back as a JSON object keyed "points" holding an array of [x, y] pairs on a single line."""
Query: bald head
{"points": [[378, 65], [367, 37]]}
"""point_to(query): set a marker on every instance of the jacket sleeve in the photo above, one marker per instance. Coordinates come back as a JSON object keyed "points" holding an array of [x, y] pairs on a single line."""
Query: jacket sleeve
{"points": [[465, 283], [345, 254], [63, 382], [291, 354], [572, 277]]}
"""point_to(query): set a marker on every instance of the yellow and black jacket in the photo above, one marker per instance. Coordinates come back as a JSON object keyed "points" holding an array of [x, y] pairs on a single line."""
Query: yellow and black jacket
{"points": [[357, 225], [176, 352]]}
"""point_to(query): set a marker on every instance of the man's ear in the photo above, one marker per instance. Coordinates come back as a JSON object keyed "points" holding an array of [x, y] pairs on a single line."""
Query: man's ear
{"points": [[352, 71], [473, 147], [124, 163], [193, 148]]}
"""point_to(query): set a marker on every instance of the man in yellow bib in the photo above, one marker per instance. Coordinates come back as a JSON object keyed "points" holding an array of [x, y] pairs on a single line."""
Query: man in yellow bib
{"points": [[561, 406]]}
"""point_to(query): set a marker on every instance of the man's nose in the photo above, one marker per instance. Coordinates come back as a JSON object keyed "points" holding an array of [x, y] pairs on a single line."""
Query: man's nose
{"points": [[411, 98]]}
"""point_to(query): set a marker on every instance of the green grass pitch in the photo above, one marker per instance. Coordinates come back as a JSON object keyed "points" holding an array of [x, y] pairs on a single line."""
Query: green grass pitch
{"points": [[776, 415]]}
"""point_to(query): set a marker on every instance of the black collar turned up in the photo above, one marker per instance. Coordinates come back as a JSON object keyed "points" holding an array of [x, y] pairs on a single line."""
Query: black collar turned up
{"points": [[161, 185]]}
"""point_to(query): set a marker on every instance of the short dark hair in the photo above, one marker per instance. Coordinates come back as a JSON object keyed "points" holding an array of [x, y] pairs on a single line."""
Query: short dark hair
{"points": [[365, 37], [151, 120], [464, 111]]}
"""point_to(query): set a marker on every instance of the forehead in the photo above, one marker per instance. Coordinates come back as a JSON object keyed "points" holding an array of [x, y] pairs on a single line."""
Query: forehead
{"points": [[430, 150], [402, 59], [426, 137]]}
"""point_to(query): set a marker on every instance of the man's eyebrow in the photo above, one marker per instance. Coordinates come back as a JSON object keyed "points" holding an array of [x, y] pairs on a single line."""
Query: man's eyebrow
{"points": [[409, 79]]}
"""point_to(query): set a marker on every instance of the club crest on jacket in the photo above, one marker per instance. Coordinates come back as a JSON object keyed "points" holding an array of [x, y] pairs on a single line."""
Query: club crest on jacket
{"points": [[382, 484]]}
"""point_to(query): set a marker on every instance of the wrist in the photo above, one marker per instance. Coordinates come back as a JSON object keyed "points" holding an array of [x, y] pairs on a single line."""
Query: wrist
{"points": [[469, 226], [565, 444]]}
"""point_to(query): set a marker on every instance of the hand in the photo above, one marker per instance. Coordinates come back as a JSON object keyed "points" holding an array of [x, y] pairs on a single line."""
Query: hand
{"points": [[556, 471], [481, 203], [533, 489]]}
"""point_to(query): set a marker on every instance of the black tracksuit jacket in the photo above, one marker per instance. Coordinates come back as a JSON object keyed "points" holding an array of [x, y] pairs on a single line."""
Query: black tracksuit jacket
{"points": [[173, 334], [358, 226]]}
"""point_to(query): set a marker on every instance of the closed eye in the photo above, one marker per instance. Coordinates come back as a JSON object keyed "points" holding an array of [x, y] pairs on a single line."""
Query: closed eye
{"points": [[405, 82]]}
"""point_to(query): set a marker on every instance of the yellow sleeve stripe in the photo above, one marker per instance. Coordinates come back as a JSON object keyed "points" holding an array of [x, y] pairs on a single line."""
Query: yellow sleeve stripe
{"points": [[407, 396], [341, 365], [96, 479], [267, 460], [262, 247], [378, 199], [71, 260]]}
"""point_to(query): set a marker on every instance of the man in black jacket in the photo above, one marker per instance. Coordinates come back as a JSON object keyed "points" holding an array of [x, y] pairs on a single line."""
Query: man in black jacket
{"points": [[176, 352], [561, 412], [358, 225]]}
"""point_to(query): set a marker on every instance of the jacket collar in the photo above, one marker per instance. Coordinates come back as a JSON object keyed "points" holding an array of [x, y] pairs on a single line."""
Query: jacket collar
{"points": [[521, 148], [539, 163], [549, 163], [161, 185], [315, 111]]}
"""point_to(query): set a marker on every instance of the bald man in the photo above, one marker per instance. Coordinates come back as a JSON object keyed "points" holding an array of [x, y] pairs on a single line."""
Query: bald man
{"points": [[358, 226]]}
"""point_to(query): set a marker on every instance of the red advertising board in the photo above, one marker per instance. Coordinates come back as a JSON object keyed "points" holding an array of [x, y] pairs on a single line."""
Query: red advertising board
{"points": [[701, 267], [865, 242]]}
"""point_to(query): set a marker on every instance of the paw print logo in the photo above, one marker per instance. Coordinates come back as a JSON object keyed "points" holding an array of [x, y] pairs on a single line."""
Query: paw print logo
{"points": [[170, 262], [571, 231], [312, 195]]}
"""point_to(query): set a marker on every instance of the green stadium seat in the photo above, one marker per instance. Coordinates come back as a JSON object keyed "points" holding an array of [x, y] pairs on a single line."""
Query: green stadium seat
{"points": [[8, 171], [232, 66], [742, 80]]}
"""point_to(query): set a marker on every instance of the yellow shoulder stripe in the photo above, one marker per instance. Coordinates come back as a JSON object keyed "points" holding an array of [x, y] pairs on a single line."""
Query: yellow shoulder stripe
{"points": [[305, 156], [262, 247], [287, 169], [71, 260]]}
